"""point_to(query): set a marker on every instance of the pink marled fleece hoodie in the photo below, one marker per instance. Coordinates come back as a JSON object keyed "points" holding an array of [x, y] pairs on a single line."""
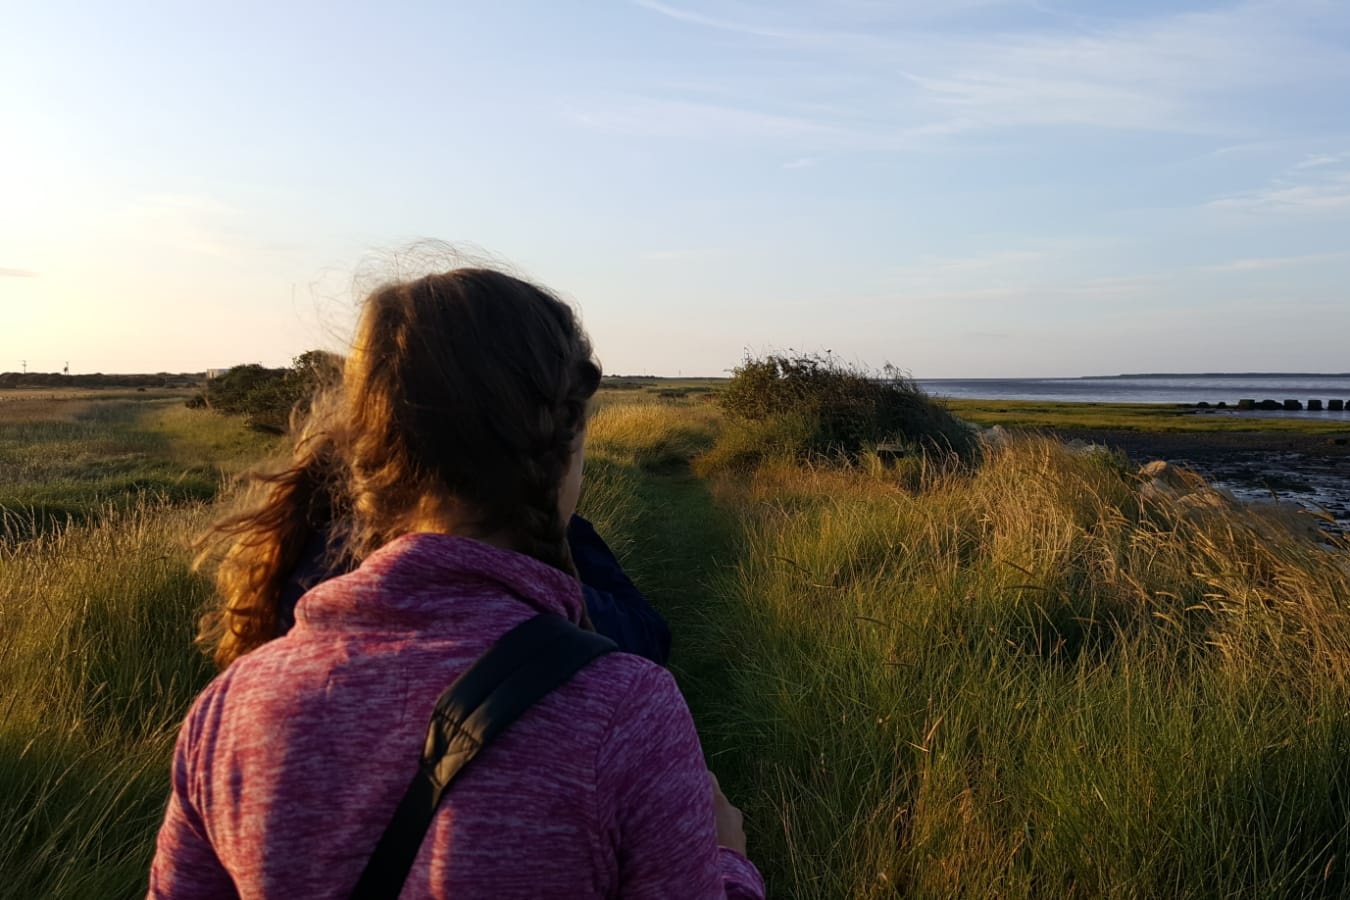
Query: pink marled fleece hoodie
{"points": [[291, 761]]}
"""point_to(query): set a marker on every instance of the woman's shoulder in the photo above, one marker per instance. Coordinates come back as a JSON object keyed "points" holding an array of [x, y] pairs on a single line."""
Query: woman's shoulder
{"points": [[624, 701], [619, 674], [616, 686]]}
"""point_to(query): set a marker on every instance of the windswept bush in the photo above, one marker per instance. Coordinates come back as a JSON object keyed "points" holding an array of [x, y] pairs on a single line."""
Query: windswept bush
{"points": [[268, 396], [848, 409], [243, 389]]}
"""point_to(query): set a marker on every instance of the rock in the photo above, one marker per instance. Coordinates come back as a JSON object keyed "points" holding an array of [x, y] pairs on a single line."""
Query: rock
{"points": [[1182, 490], [1154, 469], [1314, 406], [1268, 404], [1082, 447], [995, 436], [892, 452], [1246, 403], [1335, 405], [1162, 479], [1222, 404], [1292, 405], [1202, 501], [1202, 405]]}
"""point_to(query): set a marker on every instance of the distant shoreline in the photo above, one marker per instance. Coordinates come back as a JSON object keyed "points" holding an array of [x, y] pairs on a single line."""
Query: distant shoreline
{"points": [[1145, 375]]}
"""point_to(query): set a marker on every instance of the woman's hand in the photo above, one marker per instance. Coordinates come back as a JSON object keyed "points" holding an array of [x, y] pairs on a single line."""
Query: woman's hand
{"points": [[730, 822]]}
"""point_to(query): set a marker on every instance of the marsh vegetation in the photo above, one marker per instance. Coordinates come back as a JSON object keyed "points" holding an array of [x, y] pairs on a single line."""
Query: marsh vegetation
{"points": [[1019, 672]]}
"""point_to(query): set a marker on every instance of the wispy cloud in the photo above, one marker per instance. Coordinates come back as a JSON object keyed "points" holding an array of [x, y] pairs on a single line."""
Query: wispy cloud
{"points": [[1321, 159], [804, 162], [1324, 188], [1262, 263], [17, 273], [811, 26], [1177, 72], [1040, 292], [649, 117], [946, 266], [197, 223], [990, 275], [694, 17], [683, 255]]}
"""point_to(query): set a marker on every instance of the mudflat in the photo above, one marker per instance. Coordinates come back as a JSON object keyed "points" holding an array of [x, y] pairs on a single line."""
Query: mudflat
{"points": [[1312, 470]]}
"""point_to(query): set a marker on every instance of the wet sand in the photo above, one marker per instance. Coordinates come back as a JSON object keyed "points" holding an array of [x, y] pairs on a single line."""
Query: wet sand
{"points": [[1311, 470]]}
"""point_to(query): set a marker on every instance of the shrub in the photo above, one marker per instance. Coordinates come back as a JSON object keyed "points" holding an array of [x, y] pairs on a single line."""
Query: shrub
{"points": [[244, 389], [849, 409], [266, 397]]}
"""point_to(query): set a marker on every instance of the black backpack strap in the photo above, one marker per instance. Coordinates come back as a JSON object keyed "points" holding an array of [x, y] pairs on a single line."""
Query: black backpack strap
{"points": [[525, 665]]}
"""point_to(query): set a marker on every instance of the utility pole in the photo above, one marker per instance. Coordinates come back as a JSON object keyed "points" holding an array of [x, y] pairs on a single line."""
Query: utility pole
{"points": [[66, 370], [25, 367]]}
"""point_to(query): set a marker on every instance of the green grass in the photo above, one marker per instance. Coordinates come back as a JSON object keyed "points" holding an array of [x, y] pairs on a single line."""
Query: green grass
{"points": [[1035, 677], [97, 667], [1134, 417], [99, 492], [66, 455]]}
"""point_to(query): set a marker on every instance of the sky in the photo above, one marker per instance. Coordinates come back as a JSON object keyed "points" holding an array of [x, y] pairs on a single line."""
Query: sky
{"points": [[966, 188]]}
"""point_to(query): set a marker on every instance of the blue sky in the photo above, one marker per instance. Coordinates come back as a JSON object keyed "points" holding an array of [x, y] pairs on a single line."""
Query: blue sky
{"points": [[966, 188]]}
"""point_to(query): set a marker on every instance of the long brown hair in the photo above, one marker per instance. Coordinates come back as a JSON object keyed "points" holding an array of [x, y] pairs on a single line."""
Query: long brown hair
{"points": [[468, 386]]}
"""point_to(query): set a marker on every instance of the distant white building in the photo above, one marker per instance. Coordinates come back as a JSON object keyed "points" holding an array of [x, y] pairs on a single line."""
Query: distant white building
{"points": [[215, 373]]}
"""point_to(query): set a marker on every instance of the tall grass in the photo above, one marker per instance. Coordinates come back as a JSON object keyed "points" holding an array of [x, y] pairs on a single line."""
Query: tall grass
{"points": [[97, 663], [98, 608], [97, 668], [1040, 675], [65, 457], [1034, 680], [652, 434]]}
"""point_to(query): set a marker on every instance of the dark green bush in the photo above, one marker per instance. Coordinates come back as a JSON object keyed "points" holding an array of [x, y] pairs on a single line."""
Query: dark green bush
{"points": [[850, 409], [244, 389], [266, 397]]}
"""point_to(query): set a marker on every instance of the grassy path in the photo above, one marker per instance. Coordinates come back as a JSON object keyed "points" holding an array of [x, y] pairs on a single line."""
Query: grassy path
{"points": [[684, 542], [687, 554]]}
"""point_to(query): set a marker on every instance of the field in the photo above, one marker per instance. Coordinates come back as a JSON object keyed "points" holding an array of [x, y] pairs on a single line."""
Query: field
{"points": [[1039, 676], [1150, 417]]}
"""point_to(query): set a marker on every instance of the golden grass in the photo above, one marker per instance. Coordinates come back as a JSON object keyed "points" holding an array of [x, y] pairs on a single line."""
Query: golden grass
{"points": [[651, 433], [1043, 675], [1035, 674], [97, 667]]}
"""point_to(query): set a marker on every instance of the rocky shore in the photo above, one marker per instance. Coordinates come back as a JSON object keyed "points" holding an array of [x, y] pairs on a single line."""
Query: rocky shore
{"points": [[1312, 471]]}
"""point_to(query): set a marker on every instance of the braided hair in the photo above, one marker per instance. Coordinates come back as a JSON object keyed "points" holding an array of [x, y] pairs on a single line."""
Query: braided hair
{"points": [[465, 390], [471, 383]]}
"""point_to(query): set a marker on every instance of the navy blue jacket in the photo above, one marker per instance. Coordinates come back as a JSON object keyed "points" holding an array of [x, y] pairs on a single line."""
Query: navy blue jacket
{"points": [[616, 607]]}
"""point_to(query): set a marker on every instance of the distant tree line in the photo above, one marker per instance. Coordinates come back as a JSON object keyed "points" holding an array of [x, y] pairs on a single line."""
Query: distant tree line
{"points": [[98, 379]]}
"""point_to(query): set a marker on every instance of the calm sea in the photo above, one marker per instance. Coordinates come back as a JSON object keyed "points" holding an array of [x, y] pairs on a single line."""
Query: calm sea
{"points": [[1152, 389]]}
